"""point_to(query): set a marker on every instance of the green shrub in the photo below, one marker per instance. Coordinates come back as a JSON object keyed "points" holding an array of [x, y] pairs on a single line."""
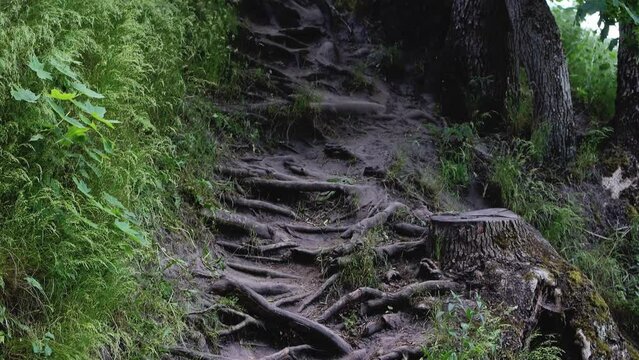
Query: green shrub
{"points": [[82, 197], [592, 66]]}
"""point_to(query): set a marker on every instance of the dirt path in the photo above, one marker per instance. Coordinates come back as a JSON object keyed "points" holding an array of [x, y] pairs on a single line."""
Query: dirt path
{"points": [[320, 201], [322, 257]]}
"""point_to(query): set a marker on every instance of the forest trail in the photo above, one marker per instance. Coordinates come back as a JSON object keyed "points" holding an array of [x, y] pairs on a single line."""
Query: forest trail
{"points": [[310, 203], [310, 218]]}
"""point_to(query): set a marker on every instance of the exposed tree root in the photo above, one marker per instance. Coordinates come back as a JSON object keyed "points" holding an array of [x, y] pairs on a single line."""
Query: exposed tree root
{"points": [[401, 249], [275, 318], [309, 229], [291, 352], [260, 205], [358, 296], [429, 270], [259, 287], [260, 271], [303, 186], [240, 222], [411, 230], [195, 355], [403, 296], [247, 322], [247, 249], [376, 220], [403, 353], [328, 283], [291, 299]]}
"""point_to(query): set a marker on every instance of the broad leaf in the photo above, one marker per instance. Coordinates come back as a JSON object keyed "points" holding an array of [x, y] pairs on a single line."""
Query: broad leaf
{"points": [[96, 111], [76, 132], [38, 68], [87, 91], [82, 186], [60, 111], [125, 227], [61, 95], [21, 94], [35, 284], [63, 68]]}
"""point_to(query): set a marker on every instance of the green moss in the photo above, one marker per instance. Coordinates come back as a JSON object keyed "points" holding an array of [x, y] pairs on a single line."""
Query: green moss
{"points": [[576, 277]]}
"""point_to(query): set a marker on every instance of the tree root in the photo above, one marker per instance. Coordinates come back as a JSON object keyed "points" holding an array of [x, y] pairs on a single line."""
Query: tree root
{"points": [[247, 322], [429, 270], [260, 205], [195, 355], [411, 230], [403, 353], [259, 271], [260, 249], [357, 296], [278, 319], [404, 295], [291, 352], [240, 222], [259, 287], [376, 220], [328, 283], [401, 248], [291, 299], [309, 229], [303, 186]]}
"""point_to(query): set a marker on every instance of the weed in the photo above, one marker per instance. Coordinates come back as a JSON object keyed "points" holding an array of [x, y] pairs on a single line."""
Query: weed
{"points": [[362, 266], [464, 330], [456, 148], [588, 153]]}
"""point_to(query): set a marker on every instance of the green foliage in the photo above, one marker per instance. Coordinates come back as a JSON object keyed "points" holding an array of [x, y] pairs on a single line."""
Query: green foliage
{"points": [[361, 267], [464, 330], [82, 194], [588, 153], [456, 148], [592, 66], [524, 191]]}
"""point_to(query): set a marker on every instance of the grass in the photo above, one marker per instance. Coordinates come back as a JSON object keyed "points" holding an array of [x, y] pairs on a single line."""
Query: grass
{"points": [[78, 266], [362, 267], [592, 66], [456, 155]]}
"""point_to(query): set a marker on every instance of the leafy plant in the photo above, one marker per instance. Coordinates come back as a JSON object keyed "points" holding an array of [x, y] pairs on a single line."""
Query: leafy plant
{"points": [[464, 330]]}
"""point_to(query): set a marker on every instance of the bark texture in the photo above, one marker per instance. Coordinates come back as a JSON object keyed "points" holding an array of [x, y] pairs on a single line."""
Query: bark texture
{"points": [[539, 48], [515, 267], [626, 120], [478, 60]]}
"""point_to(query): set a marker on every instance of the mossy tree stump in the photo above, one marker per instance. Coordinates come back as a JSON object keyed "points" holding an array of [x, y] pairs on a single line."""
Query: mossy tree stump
{"points": [[513, 266]]}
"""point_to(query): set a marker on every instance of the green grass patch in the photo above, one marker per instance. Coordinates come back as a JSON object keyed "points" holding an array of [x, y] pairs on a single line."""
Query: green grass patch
{"points": [[83, 190]]}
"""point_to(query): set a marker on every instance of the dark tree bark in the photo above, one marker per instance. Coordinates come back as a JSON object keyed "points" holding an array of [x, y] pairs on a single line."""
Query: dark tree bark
{"points": [[626, 121], [539, 48], [478, 62]]}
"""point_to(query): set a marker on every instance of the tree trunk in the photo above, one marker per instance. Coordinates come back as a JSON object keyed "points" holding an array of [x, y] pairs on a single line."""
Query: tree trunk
{"points": [[541, 53], [478, 61], [626, 121], [513, 266]]}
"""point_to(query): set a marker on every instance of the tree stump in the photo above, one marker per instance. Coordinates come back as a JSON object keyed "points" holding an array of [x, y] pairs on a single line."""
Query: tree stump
{"points": [[513, 266], [464, 242]]}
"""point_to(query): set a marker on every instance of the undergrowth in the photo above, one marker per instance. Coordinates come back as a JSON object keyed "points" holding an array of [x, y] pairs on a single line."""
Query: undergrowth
{"points": [[95, 145], [592, 65]]}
